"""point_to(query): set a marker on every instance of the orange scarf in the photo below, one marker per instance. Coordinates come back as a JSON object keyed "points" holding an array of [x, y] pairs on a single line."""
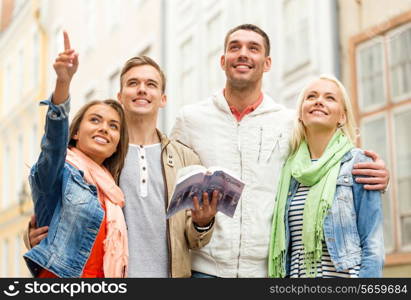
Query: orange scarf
{"points": [[116, 244]]}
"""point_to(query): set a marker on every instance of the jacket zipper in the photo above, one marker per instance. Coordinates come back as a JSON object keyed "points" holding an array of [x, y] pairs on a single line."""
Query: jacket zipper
{"points": [[260, 144], [276, 144], [241, 214]]}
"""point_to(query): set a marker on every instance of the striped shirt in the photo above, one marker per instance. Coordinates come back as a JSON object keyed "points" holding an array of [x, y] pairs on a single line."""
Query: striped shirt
{"points": [[325, 268]]}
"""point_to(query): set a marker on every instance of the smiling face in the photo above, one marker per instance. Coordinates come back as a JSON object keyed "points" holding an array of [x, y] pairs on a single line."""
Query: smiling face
{"points": [[245, 60], [141, 92], [99, 132], [322, 106]]}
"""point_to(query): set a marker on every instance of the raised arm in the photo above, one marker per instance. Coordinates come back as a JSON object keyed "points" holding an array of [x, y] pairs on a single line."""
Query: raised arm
{"points": [[66, 65], [46, 174]]}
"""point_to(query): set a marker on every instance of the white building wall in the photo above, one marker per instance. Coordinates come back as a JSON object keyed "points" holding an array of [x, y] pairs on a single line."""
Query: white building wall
{"points": [[17, 108], [105, 33], [192, 51], [20, 87]]}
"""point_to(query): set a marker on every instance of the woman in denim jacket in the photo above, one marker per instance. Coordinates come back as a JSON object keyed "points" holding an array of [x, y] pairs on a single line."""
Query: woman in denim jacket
{"points": [[74, 185], [325, 224]]}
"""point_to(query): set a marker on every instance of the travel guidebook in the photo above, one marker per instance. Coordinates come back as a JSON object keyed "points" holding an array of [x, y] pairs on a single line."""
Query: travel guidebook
{"points": [[195, 179]]}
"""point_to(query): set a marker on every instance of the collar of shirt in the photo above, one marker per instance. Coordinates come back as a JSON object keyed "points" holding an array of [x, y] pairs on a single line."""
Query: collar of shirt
{"points": [[240, 115]]}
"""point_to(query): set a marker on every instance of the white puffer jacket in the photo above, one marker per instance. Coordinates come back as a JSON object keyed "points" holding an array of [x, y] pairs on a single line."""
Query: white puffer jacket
{"points": [[255, 149]]}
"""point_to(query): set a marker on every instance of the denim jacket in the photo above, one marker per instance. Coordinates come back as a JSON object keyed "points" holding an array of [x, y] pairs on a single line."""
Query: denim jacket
{"points": [[352, 227], [64, 201]]}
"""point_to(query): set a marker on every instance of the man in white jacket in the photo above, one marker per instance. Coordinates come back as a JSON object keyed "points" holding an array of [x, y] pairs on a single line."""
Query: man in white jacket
{"points": [[243, 129]]}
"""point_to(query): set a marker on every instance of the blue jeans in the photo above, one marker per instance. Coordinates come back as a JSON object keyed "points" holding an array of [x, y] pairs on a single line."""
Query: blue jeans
{"points": [[195, 274]]}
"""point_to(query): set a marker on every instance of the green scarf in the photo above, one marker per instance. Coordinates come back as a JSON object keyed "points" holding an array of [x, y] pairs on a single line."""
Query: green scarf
{"points": [[321, 177]]}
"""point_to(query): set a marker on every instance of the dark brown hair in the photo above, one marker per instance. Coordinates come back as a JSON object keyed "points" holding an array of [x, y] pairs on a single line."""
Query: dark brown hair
{"points": [[142, 61], [115, 162], [250, 27]]}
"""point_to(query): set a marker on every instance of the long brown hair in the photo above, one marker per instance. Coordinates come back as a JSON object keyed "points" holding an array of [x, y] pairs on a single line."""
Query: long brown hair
{"points": [[115, 162]]}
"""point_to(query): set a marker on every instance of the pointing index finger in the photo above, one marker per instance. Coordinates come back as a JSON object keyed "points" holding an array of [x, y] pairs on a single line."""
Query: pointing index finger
{"points": [[66, 40]]}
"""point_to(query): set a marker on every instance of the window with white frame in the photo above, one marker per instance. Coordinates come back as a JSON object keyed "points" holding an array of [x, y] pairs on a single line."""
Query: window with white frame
{"points": [[253, 11], [400, 63], [17, 255], [374, 137], [296, 34], [384, 97], [20, 74], [185, 8], [19, 164], [113, 13], [90, 95], [6, 177], [18, 4], [187, 71], [146, 51], [90, 28], [371, 84], [7, 87], [58, 43], [5, 257], [114, 84], [215, 46], [290, 100], [34, 144], [403, 161], [35, 61]]}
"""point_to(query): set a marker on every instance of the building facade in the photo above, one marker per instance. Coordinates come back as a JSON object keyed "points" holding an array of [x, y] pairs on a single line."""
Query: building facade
{"points": [[304, 43], [376, 69], [105, 33], [22, 83], [365, 43]]}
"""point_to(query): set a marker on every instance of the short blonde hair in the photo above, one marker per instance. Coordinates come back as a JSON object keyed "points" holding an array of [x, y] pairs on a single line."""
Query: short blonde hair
{"points": [[349, 127]]}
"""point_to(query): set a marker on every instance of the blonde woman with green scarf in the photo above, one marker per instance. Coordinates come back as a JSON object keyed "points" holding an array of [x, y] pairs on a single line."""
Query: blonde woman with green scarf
{"points": [[324, 223]]}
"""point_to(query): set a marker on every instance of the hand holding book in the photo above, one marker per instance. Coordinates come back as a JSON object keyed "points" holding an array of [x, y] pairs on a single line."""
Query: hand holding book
{"points": [[202, 215], [195, 182]]}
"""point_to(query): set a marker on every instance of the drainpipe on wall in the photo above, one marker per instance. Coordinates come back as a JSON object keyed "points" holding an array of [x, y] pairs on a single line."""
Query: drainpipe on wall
{"points": [[335, 31], [163, 52]]}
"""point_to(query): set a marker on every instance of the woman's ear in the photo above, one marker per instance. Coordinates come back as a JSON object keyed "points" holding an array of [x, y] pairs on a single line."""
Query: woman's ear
{"points": [[343, 120]]}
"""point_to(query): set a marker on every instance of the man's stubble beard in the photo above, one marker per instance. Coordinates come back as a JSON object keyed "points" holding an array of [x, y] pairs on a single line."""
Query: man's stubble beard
{"points": [[242, 84]]}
